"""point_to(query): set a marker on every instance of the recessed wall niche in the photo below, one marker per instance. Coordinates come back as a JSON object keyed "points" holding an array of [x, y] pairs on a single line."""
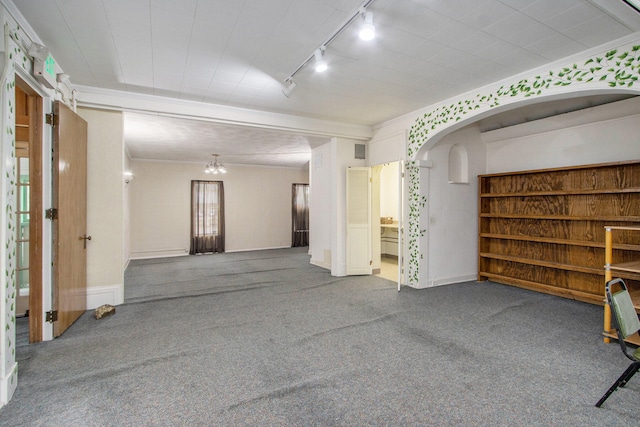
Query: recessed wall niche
{"points": [[458, 165]]}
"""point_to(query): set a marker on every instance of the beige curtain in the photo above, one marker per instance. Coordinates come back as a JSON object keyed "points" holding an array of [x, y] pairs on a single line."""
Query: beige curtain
{"points": [[300, 215], [207, 217]]}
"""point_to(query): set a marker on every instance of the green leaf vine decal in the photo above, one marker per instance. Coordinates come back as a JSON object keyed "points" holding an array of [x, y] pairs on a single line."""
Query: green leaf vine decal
{"points": [[615, 69]]}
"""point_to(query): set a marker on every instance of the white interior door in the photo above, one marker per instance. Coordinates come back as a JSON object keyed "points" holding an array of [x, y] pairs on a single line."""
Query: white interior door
{"points": [[358, 221]]}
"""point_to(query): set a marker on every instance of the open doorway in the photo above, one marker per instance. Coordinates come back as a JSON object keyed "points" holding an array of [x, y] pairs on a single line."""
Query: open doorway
{"points": [[388, 176], [29, 221]]}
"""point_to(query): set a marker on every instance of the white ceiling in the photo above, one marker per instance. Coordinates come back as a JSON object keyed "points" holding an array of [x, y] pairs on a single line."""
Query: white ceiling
{"points": [[239, 52]]}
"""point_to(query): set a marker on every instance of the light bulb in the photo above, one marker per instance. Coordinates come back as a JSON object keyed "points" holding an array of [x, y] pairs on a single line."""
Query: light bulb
{"points": [[367, 30], [321, 65]]}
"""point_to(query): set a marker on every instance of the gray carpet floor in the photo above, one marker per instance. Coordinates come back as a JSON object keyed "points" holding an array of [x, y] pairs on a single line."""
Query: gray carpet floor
{"points": [[266, 339]]}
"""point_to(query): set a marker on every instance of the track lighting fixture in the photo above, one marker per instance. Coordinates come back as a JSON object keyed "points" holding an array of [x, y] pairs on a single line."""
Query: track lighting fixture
{"points": [[367, 30], [289, 87], [320, 64]]}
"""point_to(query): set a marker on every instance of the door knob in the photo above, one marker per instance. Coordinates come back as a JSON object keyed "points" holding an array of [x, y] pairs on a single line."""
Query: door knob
{"points": [[84, 237]]}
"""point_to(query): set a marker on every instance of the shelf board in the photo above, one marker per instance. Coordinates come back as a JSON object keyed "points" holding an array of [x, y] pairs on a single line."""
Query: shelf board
{"points": [[563, 217], [571, 242], [563, 192], [548, 264], [629, 267], [632, 339], [542, 287], [622, 227]]}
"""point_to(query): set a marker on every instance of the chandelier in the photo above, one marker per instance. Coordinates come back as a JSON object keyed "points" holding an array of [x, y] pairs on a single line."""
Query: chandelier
{"points": [[214, 166]]}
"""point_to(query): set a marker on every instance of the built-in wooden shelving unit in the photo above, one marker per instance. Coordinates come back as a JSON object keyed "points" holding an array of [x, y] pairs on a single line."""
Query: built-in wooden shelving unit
{"points": [[545, 229]]}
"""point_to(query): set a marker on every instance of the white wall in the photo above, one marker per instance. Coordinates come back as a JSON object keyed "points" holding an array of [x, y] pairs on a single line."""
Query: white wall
{"points": [[601, 134], [596, 135], [257, 206], [343, 153], [453, 211], [320, 206], [389, 190], [105, 207], [126, 250], [328, 203]]}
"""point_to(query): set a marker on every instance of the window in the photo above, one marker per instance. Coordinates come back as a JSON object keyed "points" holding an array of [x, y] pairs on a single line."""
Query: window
{"points": [[207, 217]]}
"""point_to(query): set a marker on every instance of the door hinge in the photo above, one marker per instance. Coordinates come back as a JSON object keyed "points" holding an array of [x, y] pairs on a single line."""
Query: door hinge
{"points": [[52, 316], [51, 213], [51, 119]]}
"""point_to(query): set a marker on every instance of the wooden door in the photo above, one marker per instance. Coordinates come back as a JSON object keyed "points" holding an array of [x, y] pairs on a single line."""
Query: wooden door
{"points": [[70, 227], [358, 221]]}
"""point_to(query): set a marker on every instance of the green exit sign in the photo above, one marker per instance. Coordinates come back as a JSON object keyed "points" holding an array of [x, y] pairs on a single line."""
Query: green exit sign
{"points": [[45, 71], [50, 66]]}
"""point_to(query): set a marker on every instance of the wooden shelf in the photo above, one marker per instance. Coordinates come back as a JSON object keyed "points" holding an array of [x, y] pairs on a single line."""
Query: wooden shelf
{"points": [[564, 217], [633, 339], [545, 229], [629, 267], [542, 263], [584, 243], [563, 193]]}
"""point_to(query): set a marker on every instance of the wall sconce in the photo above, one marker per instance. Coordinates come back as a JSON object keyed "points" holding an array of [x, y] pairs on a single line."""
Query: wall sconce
{"points": [[128, 177]]}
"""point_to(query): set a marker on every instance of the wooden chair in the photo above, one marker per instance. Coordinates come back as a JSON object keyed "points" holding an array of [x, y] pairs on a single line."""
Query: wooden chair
{"points": [[626, 324]]}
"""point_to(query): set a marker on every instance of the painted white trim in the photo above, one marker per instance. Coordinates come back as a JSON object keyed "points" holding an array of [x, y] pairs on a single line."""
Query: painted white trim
{"points": [[161, 253], [92, 97], [8, 384], [257, 249], [451, 280], [100, 295], [320, 264]]}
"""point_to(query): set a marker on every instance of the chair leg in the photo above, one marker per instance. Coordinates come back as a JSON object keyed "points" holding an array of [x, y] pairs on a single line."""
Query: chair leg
{"points": [[620, 382]]}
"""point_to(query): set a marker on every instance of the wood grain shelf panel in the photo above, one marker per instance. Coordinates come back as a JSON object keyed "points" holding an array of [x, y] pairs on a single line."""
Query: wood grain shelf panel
{"points": [[563, 193], [545, 229]]}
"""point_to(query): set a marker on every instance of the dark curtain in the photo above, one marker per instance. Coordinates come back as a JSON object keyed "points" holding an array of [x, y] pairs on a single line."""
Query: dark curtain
{"points": [[207, 217], [300, 215]]}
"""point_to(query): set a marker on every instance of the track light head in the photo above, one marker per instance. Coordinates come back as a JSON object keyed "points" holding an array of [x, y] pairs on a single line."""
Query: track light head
{"points": [[289, 87], [367, 30], [320, 64]]}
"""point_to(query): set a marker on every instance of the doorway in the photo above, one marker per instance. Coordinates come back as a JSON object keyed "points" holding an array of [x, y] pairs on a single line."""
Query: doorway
{"points": [[29, 221], [389, 202]]}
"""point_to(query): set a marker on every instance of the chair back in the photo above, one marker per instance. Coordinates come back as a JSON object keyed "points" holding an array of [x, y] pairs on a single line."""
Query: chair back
{"points": [[627, 322]]}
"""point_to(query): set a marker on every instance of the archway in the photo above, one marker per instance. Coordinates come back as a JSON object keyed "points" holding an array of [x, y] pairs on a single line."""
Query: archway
{"points": [[613, 71]]}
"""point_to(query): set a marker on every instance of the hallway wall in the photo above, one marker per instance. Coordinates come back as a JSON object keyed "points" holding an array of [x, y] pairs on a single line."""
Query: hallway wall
{"points": [[257, 206]]}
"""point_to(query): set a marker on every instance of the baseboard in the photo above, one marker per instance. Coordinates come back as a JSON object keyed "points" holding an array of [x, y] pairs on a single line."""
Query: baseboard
{"points": [[257, 249], [101, 295], [8, 385], [320, 264], [161, 253], [447, 281]]}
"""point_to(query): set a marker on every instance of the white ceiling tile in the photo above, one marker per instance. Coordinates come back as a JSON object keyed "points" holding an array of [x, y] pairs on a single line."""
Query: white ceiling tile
{"points": [[246, 91], [484, 13], [475, 40], [597, 31], [543, 10], [182, 7], [170, 30], [516, 4], [573, 17], [236, 52], [548, 44]]}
